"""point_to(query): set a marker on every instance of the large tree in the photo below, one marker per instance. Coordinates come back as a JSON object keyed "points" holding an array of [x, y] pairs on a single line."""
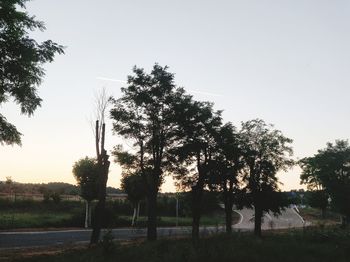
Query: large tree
{"points": [[228, 162], [198, 125], [86, 174], [21, 63], [145, 116], [266, 151], [331, 168]]}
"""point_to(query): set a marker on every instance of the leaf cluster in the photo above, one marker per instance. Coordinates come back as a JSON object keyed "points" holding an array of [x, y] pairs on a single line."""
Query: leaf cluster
{"points": [[21, 63]]}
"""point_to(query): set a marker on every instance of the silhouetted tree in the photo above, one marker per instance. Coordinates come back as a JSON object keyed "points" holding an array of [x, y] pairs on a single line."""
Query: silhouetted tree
{"points": [[21, 60], [228, 163], [266, 151], [86, 173], [103, 163], [145, 115], [198, 125], [331, 168], [134, 186], [318, 199]]}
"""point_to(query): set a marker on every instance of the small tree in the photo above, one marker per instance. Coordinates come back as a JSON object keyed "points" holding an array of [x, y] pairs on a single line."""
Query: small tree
{"points": [[134, 186], [86, 173], [318, 199], [21, 60], [266, 151]]}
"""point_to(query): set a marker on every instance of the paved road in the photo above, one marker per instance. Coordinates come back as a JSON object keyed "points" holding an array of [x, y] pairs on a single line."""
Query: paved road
{"points": [[288, 219], [47, 238]]}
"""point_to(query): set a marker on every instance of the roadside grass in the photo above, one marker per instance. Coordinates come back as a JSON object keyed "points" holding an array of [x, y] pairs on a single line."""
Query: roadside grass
{"points": [[314, 215], [34, 220], [309, 245], [18, 220], [38, 214]]}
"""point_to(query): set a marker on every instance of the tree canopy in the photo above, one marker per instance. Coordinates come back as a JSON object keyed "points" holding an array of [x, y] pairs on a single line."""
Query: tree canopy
{"points": [[145, 116], [330, 168], [21, 63], [86, 173], [266, 151]]}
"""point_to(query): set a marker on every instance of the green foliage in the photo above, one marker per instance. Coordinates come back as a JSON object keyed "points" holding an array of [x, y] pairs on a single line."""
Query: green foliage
{"points": [[31, 214], [21, 63], [56, 197], [133, 185], [266, 151], [86, 173], [318, 199], [145, 115], [330, 167]]}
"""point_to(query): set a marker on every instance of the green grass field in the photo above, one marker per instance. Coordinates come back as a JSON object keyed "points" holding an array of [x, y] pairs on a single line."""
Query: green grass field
{"points": [[12, 220], [314, 216], [309, 246], [17, 220], [35, 214]]}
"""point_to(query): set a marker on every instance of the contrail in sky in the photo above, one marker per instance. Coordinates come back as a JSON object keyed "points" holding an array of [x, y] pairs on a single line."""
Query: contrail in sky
{"points": [[111, 79], [190, 90]]}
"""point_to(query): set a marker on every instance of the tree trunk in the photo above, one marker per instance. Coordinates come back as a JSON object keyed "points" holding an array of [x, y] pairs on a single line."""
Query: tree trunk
{"points": [[257, 219], [134, 216], [100, 207], [228, 211], [152, 216], [138, 211], [197, 193], [344, 221], [89, 219], [99, 213], [86, 224]]}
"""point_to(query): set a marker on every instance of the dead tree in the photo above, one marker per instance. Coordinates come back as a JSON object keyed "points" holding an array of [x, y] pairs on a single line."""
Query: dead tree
{"points": [[103, 165]]}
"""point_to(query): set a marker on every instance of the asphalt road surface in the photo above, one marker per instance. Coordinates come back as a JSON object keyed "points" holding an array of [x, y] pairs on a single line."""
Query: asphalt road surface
{"points": [[288, 219]]}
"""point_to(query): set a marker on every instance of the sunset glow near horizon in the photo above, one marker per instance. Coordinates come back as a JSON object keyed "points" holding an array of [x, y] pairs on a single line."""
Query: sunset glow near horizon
{"points": [[286, 63]]}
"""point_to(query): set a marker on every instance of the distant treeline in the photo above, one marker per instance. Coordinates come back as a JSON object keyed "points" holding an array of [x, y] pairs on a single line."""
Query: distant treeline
{"points": [[42, 188]]}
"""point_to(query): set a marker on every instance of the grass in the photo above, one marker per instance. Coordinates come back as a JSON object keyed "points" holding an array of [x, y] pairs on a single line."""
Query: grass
{"points": [[35, 220], [39, 214], [17, 220], [310, 245], [314, 215]]}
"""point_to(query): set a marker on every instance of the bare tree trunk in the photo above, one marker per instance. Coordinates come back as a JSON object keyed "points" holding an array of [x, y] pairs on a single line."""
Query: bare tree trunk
{"points": [[86, 224], [138, 210], [228, 211], [152, 216], [103, 167], [134, 216], [197, 193], [99, 210], [89, 219], [344, 221], [258, 220]]}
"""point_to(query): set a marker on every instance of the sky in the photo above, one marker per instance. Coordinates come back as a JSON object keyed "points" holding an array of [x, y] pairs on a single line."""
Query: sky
{"points": [[287, 62]]}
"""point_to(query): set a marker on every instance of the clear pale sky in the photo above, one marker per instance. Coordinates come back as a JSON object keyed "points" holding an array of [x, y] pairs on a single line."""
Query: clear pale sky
{"points": [[287, 62]]}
